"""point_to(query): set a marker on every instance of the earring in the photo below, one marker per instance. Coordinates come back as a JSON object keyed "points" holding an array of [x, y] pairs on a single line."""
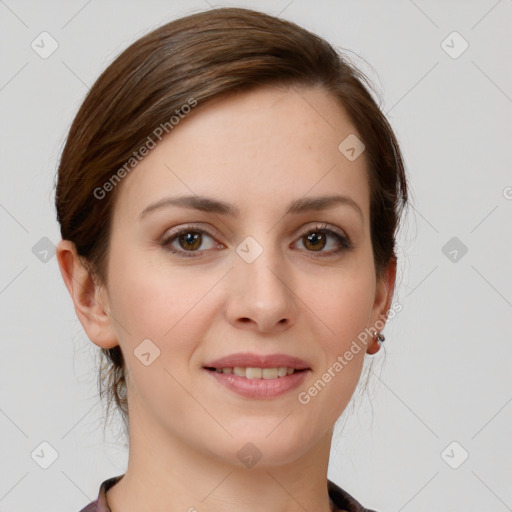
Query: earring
{"points": [[375, 347]]}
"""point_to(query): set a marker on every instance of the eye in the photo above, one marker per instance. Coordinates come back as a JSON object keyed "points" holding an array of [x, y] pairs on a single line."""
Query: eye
{"points": [[317, 238], [189, 240]]}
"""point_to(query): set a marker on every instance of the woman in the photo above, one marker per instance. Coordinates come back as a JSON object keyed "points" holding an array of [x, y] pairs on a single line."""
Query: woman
{"points": [[229, 195]]}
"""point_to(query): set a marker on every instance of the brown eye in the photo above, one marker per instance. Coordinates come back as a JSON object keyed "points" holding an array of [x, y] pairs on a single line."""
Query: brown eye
{"points": [[315, 241], [190, 241]]}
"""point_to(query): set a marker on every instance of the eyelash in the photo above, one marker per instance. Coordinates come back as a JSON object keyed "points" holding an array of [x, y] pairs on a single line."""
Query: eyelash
{"points": [[344, 242]]}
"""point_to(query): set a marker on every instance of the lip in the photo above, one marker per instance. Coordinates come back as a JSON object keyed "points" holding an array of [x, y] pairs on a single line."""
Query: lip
{"points": [[251, 360], [259, 388]]}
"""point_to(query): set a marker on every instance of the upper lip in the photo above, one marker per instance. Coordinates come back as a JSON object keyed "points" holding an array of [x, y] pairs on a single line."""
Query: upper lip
{"points": [[248, 360]]}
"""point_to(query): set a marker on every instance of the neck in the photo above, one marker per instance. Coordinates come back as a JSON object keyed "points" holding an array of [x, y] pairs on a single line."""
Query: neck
{"points": [[165, 474]]}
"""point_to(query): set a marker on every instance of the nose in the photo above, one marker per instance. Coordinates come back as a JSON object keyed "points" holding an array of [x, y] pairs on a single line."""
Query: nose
{"points": [[261, 294]]}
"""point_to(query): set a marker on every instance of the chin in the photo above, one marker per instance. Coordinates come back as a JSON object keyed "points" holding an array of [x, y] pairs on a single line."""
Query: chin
{"points": [[263, 451]]}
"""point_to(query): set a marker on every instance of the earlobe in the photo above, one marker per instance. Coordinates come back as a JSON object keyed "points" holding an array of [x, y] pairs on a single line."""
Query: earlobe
{"points": [[373, 347], [90, 305]]}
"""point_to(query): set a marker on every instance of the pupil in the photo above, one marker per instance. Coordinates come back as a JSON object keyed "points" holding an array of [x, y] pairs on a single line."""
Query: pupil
{"points": [[190, 239], [314, 238]]}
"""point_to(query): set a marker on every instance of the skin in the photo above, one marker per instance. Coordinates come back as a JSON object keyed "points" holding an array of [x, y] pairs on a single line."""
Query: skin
{"points": [[259, 151]]}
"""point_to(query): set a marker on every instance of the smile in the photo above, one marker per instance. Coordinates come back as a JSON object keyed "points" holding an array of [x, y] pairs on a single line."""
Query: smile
{"points": [[257, 373], [258, 383]]}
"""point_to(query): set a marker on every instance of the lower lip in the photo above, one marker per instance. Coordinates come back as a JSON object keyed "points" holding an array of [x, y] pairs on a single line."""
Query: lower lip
{"points": [[259, 388]]}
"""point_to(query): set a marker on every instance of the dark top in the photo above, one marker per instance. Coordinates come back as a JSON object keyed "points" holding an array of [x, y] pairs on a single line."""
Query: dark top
{"points": [[340, 499]]}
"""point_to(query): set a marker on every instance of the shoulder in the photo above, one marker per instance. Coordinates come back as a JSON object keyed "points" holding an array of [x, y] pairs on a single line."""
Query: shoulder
{"points": [[100, 503], [343, 501]]}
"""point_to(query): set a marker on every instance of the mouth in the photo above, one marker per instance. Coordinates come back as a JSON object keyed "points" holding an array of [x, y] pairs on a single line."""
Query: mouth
{"points": [[258, 376], [257, 373], [256, 362]]}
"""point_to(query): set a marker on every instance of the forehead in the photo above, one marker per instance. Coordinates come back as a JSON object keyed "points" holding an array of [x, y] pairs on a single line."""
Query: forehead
{"points": [[262, 147]]}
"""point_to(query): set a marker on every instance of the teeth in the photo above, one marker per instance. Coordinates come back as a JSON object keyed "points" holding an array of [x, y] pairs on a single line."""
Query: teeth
{"points": [[269, 373], [253, 373], [239, 371], [257, 373]]}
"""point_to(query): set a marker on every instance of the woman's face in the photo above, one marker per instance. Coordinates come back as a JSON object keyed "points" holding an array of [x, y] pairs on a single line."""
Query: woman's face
{"points": [[248, 280]]}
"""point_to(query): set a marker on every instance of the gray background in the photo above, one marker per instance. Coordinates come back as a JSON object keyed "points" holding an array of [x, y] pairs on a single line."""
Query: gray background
{"points": [[446, 376]]}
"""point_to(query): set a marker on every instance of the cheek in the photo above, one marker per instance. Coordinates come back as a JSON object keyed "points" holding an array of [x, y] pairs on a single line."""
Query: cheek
{"points": [[172, 307], [151, 298], [144, 305], [152, 303], [344, 312], [343, 302]]}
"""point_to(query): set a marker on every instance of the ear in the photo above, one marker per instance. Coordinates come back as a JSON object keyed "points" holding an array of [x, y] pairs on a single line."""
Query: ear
{"points": [[383, 297], [90, 300]]}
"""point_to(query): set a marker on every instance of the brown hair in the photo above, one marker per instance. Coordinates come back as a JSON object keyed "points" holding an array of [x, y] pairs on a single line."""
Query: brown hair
{"points": [[207, 56]]}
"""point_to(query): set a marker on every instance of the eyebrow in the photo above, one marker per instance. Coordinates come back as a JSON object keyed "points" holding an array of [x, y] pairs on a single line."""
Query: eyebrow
{"points": [[206, 204]]}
